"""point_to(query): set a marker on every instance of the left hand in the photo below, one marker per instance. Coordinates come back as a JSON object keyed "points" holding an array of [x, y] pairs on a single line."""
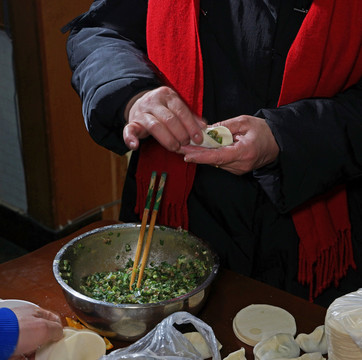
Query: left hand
{"points": [[37, 327], [254, 146]]}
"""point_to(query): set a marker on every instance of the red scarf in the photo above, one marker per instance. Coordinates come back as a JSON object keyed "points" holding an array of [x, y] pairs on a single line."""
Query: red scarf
{"points": [[172, 40], [324, 59]]}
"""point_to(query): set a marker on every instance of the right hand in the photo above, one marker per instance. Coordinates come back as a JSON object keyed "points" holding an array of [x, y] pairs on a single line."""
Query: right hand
{"points": [[162, 114]]}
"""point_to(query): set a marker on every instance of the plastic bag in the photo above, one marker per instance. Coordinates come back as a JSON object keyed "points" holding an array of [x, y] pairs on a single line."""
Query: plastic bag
{"points": [[166, 342], [343, 326]]}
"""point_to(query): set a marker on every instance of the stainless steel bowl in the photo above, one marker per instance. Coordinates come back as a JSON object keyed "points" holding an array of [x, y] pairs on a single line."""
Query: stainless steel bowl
{"points": [[109, 248]]}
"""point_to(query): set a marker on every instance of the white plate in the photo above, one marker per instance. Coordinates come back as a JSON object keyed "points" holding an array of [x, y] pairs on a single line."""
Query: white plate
{"points": [[13, 303]]}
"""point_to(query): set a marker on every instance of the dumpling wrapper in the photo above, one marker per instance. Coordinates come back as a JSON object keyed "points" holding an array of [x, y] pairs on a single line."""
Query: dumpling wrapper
{"points": [[199, 343], [316, 341], [308, 356], [75, 345], [278, 346], [236, 355], [260, 321], [209, 142], [44, 352]]}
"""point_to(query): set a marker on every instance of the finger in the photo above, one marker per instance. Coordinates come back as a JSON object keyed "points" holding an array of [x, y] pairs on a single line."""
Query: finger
{"points": [[166, 105], [172, 123], [35, 332], [153, 126], [131, 134], [189, 149], [47, 331], [213, 157], [237, 125], [48, 315], [223, 158], [55, 331], [201, 121], [189, 120]]}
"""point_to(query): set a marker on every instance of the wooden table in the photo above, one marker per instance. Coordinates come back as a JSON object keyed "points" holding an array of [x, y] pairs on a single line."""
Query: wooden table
{"points": [[30, 278]]}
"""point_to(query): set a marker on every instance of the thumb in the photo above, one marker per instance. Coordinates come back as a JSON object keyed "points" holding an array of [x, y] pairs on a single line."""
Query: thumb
{"points": [[131, 134]]}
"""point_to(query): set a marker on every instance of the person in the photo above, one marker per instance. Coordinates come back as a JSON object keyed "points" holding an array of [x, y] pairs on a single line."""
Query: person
{"points": [[282, 204], [24, 328]]}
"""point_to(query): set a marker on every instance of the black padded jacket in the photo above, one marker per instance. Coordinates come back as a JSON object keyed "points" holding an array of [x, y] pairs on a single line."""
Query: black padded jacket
{"points": [[244, 45]]}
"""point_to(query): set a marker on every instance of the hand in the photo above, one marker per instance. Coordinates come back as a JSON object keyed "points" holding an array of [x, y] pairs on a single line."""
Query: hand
{"points": [[162, 114], [254, 146], [37, 327]]}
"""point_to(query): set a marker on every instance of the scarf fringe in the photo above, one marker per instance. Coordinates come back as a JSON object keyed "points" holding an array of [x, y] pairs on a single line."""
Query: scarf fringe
{"points": [[169, 214], [330, 265]]}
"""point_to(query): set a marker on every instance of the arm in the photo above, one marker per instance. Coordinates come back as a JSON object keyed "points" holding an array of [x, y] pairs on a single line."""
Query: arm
{"points": [[106, 51], [24, 328], [296, 151], [320, 147], [9, 333]]}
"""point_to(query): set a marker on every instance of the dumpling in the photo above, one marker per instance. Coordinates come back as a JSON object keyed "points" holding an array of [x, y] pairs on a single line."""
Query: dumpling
{"points": [[309, 356], [278, 346], [236, 355], [199, 343], [313, 342], [215, 137]]}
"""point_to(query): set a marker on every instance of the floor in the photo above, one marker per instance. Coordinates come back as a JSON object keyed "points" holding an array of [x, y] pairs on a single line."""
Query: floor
{"points": [[9, 250]]}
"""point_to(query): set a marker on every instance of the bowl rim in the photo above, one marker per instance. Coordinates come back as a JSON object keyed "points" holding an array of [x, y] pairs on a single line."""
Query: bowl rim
{"points": [[65, 287]]}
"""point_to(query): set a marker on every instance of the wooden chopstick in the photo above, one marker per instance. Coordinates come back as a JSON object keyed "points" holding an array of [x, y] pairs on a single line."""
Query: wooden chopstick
{"points": [[143, 227], [146, 250]]}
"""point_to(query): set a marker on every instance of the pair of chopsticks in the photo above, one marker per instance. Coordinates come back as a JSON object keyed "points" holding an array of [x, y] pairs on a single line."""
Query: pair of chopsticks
{"points": [[156, 206]]}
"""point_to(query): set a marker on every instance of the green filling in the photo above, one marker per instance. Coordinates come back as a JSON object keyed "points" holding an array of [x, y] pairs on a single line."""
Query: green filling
{"points": [[215, 135], [159, 282]]}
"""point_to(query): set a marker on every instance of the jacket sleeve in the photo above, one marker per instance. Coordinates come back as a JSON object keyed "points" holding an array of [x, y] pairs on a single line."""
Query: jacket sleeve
{"points": [[9, 333], [107, 54], [320, 147]]}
